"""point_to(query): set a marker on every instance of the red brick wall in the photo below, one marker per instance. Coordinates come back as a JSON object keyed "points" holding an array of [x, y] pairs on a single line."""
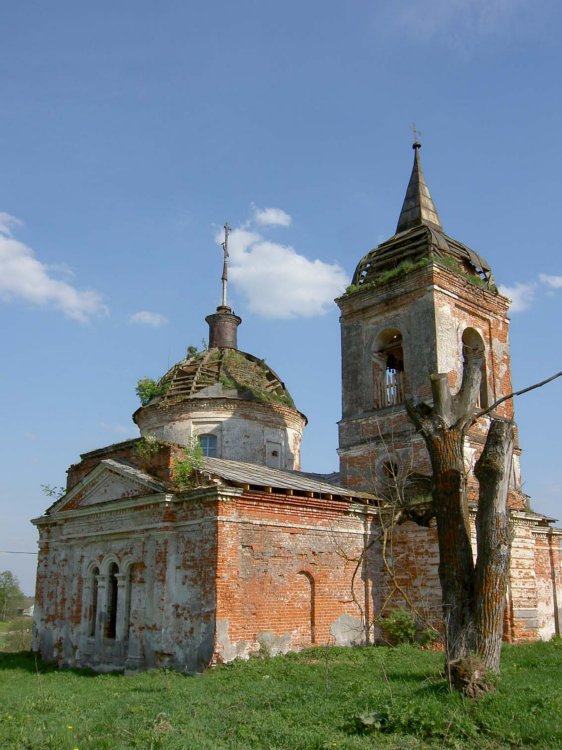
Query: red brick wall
{"points": [[285, 566], [159, 466]]}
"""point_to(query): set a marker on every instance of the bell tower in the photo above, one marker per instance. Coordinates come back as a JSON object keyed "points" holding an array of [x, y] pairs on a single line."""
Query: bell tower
{"points": [[418, 303]]}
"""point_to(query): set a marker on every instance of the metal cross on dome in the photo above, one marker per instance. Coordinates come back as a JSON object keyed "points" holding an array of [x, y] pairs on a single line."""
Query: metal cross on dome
{"points": [[224, 276], [416, 133]]}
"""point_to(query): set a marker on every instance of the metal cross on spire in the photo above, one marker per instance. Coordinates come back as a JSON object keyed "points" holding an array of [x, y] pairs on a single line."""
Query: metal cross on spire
{"points": [[224, 276], [417, 135]]}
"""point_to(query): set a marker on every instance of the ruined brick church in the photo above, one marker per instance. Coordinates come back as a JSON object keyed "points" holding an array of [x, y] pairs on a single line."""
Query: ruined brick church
{"points": [[202, 541]]}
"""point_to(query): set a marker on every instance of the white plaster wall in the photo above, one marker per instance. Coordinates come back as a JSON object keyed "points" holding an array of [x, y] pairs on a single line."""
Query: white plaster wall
{"points": [[169, 621], [242, 431], [449, 341]]}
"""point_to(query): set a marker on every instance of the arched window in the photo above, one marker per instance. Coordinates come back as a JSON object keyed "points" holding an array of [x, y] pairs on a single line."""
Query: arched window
{"points": [[473, 344], [112, 589], [93, 604], [388, 370], [208, 443]]}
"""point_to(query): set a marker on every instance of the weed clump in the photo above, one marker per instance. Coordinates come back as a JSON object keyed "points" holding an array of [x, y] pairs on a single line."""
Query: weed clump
{"points": [[184, 469], [148, 388], [148, 447], [401, 626]]}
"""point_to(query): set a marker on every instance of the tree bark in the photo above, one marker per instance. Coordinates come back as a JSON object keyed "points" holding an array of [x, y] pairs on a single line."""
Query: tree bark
{"points": [[456, 567], [442, 427], [473, 595], [493, 534]]}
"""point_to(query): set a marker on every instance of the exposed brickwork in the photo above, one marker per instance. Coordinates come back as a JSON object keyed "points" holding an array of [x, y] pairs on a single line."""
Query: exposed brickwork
{"points": [[209, 578], [432, 308], [220, 573], [410, 569], [132, 574], [159, 465], [284, 569]]}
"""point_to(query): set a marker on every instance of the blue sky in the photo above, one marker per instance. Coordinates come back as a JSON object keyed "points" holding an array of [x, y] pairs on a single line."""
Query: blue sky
{"points": [[131, 131]]}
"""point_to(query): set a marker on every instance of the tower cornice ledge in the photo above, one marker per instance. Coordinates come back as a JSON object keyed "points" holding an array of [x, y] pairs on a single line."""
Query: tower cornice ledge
{"points": [[431, 275]]}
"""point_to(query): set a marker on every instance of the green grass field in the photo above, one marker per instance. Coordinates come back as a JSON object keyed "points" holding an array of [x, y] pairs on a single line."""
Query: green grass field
{"points": [[306, 701]]}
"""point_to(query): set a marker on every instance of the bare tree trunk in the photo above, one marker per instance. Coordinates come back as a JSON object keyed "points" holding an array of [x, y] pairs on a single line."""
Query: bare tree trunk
{"points": [[494, 541], [473, 595], [456, 568], [442, 427]]}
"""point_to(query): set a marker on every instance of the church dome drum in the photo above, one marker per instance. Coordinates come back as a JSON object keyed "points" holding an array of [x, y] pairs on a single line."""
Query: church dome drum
{"points": [[233, 402]]}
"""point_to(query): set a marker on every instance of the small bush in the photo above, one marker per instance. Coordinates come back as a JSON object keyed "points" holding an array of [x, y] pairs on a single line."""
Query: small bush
{"points": [[147, 389], [399, 626], [17, 635], [427, 637], [148, 447], [193, 459]]}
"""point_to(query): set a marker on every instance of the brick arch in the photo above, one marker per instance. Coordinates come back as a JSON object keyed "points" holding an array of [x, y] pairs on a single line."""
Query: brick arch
{"points": [[303, 604], [473, 341], [388, 368]]}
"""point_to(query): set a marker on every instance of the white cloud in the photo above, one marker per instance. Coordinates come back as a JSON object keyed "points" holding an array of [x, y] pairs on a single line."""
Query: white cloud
{"points": [[458, 23], [521, 295], [6, 223], [555, 282], [24, 277], [272, 217], [148, 318], [276, 280]]}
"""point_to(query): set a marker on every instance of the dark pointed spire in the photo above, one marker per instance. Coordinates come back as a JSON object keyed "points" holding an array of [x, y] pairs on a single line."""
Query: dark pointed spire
{"points": [[418, 208]]}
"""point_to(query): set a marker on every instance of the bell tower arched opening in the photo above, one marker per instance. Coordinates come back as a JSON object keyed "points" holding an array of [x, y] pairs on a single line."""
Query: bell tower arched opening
{"points": [[473, 344], [388, 369]]}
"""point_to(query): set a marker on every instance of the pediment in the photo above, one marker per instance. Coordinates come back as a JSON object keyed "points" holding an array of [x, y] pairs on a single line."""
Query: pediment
{"points": [[110, 481]]}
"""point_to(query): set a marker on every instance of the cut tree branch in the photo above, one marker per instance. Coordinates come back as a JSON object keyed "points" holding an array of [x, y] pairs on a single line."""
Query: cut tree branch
{"points": [[483, 412]]}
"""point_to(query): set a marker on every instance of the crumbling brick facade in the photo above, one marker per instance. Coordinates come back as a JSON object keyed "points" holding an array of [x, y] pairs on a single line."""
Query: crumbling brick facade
{"points": [[212, 574], [135, 571], [417, 304]]}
